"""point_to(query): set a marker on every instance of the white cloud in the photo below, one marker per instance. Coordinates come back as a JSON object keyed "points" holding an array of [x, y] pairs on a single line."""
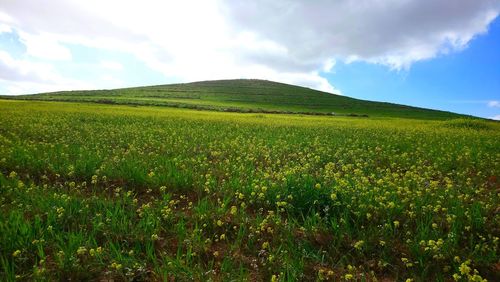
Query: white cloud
{"points": [[116, 66], [19, 76], [111, 81], [44, 46], [494, 104], [30, 87], [328, 65], [393, 32], [5, 28], [4, 17], [497, 117], [23, 70], [289, 41]]}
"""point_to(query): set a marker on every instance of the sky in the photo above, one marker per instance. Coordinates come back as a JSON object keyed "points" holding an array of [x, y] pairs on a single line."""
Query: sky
{"points": [[438, 54]]}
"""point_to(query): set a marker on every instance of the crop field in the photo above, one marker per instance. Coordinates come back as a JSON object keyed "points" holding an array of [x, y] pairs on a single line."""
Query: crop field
{"points": [[138, 193]]}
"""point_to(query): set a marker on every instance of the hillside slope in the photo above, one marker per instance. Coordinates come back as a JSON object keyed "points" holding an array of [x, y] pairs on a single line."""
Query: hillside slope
{"points": [[244, 95]]}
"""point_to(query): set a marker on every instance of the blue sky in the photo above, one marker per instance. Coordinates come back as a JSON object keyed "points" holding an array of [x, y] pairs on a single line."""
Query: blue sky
{"points": [[464, 81], [436, 54]]}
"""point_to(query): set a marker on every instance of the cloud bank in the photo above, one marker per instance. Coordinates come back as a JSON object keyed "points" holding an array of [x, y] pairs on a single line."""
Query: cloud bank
{"points": [[289, 41], [494, 104]]}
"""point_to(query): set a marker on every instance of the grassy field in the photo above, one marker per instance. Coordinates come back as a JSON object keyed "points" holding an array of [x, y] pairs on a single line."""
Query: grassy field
{"points": [[93, 192], [244, 96]]}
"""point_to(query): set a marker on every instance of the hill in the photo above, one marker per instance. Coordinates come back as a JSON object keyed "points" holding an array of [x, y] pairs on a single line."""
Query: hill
{"points": [[244, 95]]}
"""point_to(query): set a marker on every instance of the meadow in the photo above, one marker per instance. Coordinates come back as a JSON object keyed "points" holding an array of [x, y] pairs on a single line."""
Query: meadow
{"points": [[134, 193], [243, 95]]}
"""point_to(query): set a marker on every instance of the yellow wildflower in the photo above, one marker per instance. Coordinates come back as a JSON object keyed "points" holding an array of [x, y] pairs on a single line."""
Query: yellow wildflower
{"points": [[81, 251], [358, 245], [234, 210], [265, 245], [464, 268]]}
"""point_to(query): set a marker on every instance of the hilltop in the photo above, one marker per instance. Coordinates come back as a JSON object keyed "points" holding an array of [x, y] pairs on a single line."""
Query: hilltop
{"points": [[244, 95]]}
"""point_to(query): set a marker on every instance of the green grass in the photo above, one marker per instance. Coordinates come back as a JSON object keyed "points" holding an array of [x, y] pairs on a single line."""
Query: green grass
{"points": [[244, 96], [93, 192]]}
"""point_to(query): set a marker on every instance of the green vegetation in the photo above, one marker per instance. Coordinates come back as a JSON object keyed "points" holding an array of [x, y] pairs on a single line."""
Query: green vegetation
{"points": [[469, 124], [244, 96], [93, 192]]}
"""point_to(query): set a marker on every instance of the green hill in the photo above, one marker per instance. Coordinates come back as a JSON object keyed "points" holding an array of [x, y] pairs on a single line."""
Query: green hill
{"points": [[244, 95]]}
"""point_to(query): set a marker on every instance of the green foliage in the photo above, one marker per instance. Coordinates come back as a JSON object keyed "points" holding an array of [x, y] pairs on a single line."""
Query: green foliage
{"points": [[96, 192], [468, 123], [246, 96]]}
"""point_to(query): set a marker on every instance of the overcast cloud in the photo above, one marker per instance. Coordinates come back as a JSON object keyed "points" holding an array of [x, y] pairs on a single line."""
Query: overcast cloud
{"points": [[290, 41]]}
